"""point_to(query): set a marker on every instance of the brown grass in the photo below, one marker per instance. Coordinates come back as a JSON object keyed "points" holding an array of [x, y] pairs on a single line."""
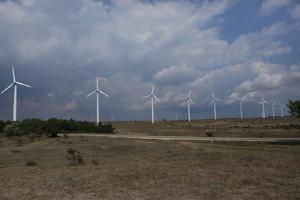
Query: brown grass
{"points": [[136, 169], [223, 128]]}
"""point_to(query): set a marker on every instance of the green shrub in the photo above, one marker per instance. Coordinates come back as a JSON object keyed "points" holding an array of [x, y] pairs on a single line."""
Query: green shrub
{"points": [[30, 163], [51, 127], [209, 134], [2, 126], [32, 126], [294, 108], [13, 129], [95, 162], [74, 157]]}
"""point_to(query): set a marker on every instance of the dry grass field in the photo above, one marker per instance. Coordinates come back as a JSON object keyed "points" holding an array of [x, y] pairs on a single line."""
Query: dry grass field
{"points": [[252, 127], [125, 169]]}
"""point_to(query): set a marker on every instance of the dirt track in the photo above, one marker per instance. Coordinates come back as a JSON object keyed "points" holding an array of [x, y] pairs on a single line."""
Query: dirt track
{"points": [[191, 138]]}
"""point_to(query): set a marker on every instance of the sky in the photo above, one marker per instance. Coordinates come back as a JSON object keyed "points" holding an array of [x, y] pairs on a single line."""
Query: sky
{"points": [[234, 48]]}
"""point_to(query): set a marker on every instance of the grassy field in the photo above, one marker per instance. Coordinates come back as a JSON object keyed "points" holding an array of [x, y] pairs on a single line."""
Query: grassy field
{"points": [[223, 127], [124, 169]]}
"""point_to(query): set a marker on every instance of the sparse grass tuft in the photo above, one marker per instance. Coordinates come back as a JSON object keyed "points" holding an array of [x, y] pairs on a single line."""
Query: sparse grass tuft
{"points": [[74, 157], [95, 162], [15, 151]]}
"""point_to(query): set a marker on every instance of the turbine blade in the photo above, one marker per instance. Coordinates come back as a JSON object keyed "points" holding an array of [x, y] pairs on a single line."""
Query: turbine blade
{"points": [[23, 84], [13, 72], [157, 99], [211, 101], [213, 95], [152, 89], [191, 100], [103, 93], [189, 93], [7, 88], [91, 93], [218, 99], [146, 96]]}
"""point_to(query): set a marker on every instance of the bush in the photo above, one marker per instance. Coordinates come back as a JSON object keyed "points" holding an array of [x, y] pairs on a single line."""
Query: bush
{"points": [[294, 108], [13, 129], [74, 157], [30, 163], [51, 127], [209, 134], [95, 162], [2, 126], [32, 126]]}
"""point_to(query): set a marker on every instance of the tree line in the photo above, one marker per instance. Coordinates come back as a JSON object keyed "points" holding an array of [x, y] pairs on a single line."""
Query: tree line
{"points": [[51, 127]]}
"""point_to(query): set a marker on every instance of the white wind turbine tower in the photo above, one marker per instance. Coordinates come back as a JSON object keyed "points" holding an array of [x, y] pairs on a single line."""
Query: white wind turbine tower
{"points": [[241, 99], [97, 91], [214, 99], [15, 84], [273, 109], [281, 109], [263, 102], [153, 97], [189, 100]]}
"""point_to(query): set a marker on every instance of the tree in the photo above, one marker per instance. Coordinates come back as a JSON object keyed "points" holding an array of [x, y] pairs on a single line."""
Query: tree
{"points": [[294, 107]]}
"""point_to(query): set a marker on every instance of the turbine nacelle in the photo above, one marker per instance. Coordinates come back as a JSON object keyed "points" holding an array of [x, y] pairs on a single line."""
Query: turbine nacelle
{"points": [[151, 95], [263, 101], [214, 99]]}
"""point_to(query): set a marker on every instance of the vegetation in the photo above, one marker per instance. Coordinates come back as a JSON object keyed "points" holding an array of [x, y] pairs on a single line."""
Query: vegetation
{"points": [[31, 163], [51, 127], [294, 107], [209, 134], [74, 157]]}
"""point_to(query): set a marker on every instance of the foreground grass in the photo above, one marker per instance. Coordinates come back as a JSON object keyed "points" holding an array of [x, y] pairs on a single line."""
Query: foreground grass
{"points": [[136, 169]]}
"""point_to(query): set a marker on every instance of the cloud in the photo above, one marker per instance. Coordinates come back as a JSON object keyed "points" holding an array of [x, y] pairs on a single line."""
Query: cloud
{"points": [[61, 48], [295, 11], [270, 6], [270, 77], [176, 75], [71, 106]]}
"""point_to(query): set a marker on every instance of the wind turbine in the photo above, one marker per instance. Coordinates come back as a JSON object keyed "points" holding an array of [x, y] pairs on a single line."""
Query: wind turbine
{"points": [[273, 108], [214, 99], [263, 102], [97, 91], [241, 99], [281, 109], [15, 84], [153, 97], [189, 100]]}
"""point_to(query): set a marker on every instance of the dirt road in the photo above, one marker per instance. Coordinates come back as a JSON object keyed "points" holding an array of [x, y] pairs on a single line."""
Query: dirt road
{"points": [[191, 138]]}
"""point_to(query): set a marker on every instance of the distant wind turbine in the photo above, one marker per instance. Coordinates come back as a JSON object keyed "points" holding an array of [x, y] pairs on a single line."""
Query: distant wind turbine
{"points": [[263, 102], [153, 97], [189, 100], [214, 99], [273, 109], [15, 84], [97, 91], [241, 99], [281, 109]]}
